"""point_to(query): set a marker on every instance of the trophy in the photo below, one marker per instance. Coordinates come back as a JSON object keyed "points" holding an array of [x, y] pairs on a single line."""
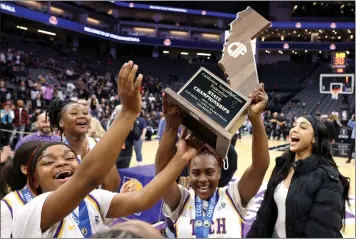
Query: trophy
{"points": [[214, 110]]}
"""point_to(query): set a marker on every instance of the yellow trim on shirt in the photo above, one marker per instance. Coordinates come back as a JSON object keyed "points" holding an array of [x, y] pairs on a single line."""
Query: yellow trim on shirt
{"points": [[61, 230], [18, 198]]}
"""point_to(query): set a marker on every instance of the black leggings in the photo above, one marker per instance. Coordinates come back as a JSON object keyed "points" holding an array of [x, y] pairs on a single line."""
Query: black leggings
{"points": [[352, 148]]}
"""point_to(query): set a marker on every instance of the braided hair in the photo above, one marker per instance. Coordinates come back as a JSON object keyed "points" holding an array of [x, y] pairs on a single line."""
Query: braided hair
{"points": [[55, 113]]}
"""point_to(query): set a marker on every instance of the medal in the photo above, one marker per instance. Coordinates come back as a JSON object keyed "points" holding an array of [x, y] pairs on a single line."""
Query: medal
{"points": [[198, 223], [202, 223]]}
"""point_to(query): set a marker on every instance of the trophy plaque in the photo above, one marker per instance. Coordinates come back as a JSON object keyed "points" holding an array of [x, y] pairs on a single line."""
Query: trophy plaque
{"points": [[212, 109]]}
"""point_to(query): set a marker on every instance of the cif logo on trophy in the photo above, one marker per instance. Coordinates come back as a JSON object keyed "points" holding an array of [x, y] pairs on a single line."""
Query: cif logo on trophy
{"points": [[214, 110], [236, 48]]}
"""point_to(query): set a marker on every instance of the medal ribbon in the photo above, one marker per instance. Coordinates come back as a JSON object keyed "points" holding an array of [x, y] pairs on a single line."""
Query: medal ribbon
{"points": [[203, 223], [26, 195], [83, 221]]}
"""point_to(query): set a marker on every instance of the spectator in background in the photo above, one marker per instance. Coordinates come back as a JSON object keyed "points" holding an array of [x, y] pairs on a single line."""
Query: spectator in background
{"points": [[20, 121], [2, 58], [9, 55], [124, 159], [351, 124], [43, 133], [93, 104], [142, 124], [161, 126], [22, 91], [37, 102], [330, 127], [4, 92], [273, 121], [36, 89], [18, 58], [95, 129], [7, 116], [281, 121], [48, 94]]}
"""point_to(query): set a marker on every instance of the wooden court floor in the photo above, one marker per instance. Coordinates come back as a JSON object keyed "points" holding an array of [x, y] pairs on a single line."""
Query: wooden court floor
{"points": [[243, 148]]}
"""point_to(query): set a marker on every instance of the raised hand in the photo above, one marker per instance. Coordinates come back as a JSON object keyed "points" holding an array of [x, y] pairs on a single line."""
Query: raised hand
{"points": [[129, 89], [171, 113], [259, 99], [184, 151]]}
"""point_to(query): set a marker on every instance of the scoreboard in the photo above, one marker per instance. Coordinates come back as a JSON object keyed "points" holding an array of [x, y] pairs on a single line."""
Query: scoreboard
{"points": [[338, 62]]}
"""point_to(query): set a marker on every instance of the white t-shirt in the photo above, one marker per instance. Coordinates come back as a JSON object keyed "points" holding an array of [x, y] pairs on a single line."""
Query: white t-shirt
{"points": [[10, 205], [27, 222], [91, 143], [227, 218], [280, 196]]}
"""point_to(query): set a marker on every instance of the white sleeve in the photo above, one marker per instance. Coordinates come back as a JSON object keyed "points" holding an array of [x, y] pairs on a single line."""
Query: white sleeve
{"points": [[6, 220], [27, 222], [176, 213], [234, 193], [104, 198]]}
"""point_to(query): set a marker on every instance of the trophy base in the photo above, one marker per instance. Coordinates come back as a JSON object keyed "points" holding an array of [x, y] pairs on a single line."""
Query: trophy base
{"points": [[202, 126]]}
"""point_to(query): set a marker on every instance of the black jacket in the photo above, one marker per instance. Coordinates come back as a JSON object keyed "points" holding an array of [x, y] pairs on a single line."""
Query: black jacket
{"points": [[314, 204], [133, 135]]}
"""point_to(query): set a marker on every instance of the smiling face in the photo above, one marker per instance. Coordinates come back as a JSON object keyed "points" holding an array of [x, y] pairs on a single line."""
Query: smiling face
{"points": [[204, 175], [55, 166], [75, 119], [301, 136]]}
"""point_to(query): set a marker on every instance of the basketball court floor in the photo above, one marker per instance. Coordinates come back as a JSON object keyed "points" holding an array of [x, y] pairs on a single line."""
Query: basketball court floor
{"points": [[243, 148]]}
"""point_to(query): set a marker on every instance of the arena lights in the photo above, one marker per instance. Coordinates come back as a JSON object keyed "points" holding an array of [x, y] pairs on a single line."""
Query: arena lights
{"points": [[352, 37], [184, 53], [348, 30], [319, 51], [203, 54], [347, 52], [22, 28], [46, 32], [165, 52]]}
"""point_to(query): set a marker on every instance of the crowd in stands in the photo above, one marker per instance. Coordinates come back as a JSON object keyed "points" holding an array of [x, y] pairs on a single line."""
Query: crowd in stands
{"points": [[30, 82], [23, 95]]}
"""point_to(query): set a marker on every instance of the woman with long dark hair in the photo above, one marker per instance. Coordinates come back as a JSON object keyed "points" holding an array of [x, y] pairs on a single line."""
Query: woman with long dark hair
{"points": [[14, 177], [67, 203], [306, 194], [73, 121]]}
